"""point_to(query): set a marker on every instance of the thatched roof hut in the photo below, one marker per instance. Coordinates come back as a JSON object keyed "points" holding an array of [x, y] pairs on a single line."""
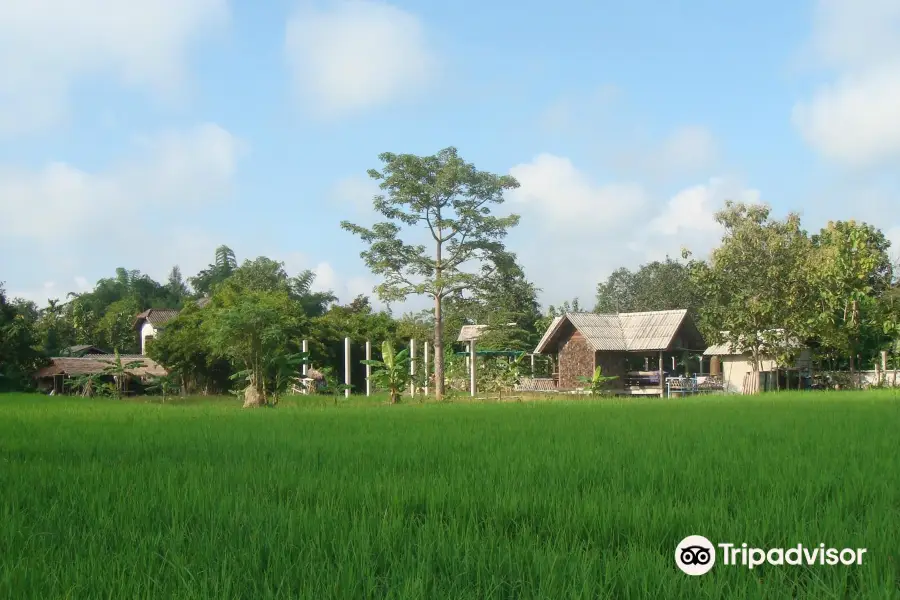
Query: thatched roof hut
{"points": [[71, 366]]}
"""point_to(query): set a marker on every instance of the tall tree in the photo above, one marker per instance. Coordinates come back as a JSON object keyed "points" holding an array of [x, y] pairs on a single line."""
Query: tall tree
{"points": [[116, 327], [446, 201], [659, 285], [184, 349], [266, 274], [53, 329], [176, 286], [755, 287], [221, 269], [19, 345], [314, 304], [254, 329], [507, 303], [617, 293], [851, 269]]}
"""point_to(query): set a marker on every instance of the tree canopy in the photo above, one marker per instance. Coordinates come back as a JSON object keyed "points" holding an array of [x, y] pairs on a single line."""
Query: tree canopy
{"points": [[439, 231]]}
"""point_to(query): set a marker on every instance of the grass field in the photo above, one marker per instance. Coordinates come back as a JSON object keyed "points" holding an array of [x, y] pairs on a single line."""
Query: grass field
{"points": [[110, 499]]}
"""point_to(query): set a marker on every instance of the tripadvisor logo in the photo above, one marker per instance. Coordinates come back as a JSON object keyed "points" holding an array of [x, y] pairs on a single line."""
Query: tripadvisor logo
{"points": [[696, 555]]}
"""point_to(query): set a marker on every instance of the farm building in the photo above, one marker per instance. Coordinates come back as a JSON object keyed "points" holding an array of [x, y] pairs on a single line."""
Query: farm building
{"points": [[53, 376], [150, 322], [735, 364], [635, 347]]}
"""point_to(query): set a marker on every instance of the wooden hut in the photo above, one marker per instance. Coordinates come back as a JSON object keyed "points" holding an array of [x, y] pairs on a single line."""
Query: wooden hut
{"points": [[634, 347], [53, 376]]}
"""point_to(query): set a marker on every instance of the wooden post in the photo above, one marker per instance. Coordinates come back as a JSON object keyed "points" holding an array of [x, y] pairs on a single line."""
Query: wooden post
{"points": [[368, 368], [532, 365], [347, 367], [425, 365], [305, 350], [472, 367], [884, 365], [412, 367], [662, 377]]}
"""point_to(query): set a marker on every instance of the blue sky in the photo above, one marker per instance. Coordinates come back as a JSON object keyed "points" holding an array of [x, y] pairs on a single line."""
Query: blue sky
{"points": [[145, 134]]}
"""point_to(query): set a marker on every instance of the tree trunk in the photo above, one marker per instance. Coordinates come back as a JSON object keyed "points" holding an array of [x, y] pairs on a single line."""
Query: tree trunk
{"points": [[438, 350]]}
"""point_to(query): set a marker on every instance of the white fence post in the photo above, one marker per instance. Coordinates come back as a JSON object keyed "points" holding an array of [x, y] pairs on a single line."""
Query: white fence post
{"points": [[306, 362], [427, 374], [472, 367], [347, 367], [412, 367], [368, 368]]}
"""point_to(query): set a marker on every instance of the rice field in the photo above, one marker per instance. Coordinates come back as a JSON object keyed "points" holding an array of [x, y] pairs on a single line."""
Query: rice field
{"points": [[556, 500]]}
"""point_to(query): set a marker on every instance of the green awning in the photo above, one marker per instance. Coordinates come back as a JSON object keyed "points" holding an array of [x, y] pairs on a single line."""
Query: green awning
{"points": [[494, 353]]}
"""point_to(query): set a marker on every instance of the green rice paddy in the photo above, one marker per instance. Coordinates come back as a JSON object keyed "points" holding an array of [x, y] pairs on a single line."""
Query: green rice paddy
{"points": [[557, 500]]}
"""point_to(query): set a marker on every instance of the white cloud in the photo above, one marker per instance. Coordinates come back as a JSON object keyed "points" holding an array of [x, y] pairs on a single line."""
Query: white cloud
{"points": [[346, 288], [575, 231], [47, 45], [565, 197], [50, 290], [851, 34], [61, 203], [687, 148], [688, 220], [853, 120], [571, 111], [356, 192], [356, 55]]}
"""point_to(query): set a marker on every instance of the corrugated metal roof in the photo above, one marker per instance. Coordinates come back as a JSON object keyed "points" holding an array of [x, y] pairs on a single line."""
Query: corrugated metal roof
{"points": [[723, 349], [156, 316], [622, 332], [651, 330], [729, 348], [603, 332], [470, 332]]}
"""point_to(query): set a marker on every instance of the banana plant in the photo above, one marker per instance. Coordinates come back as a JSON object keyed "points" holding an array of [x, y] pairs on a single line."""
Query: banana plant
{"points": [[392, 371], [286, 367], [511, 374], [598, 383], [84, 385], [166, 385], [120, 373]]}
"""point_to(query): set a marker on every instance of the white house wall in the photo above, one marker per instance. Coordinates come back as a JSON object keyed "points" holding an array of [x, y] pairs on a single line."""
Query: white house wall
{"points": [[147, 330], [735, 367]]}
